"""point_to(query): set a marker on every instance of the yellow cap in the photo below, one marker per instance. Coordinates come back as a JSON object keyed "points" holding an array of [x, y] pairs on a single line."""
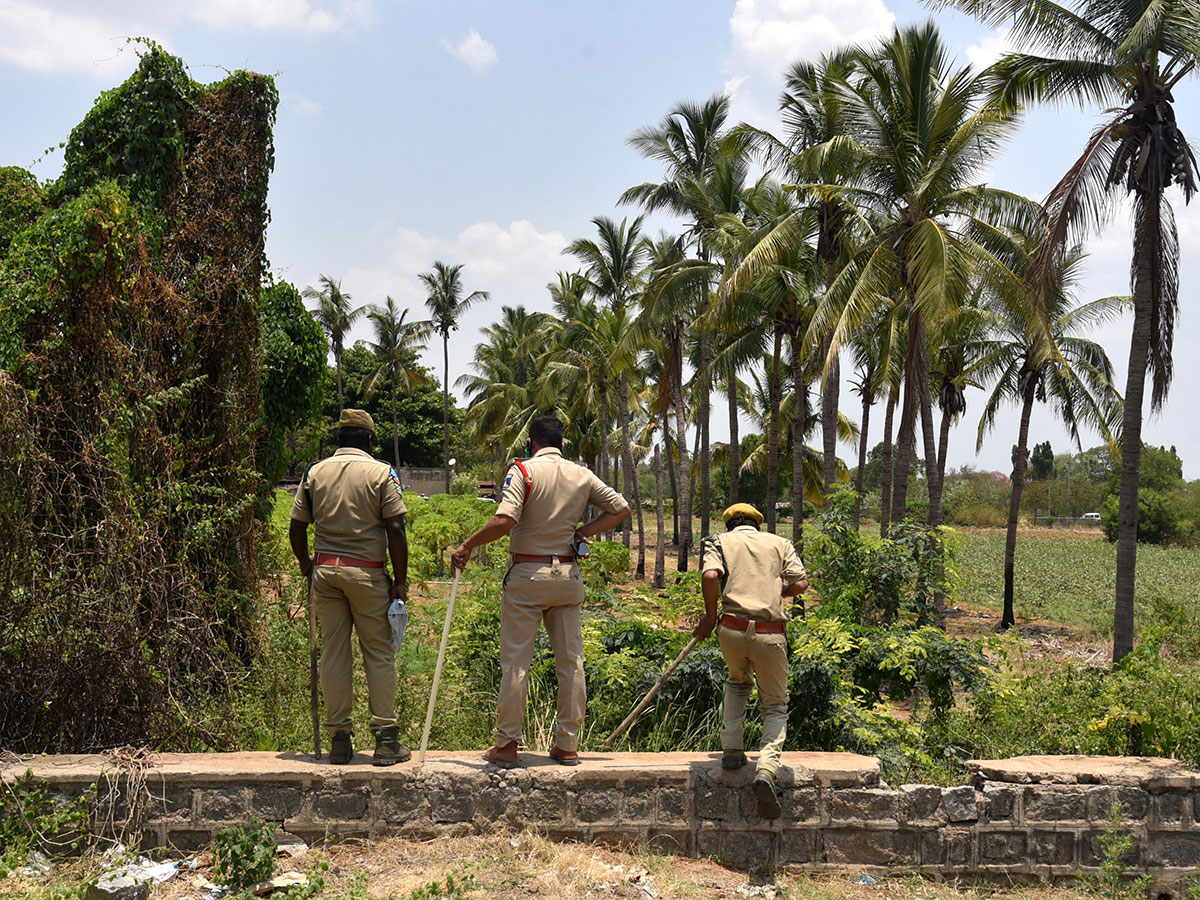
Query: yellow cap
{"points": [[356, 418], [743, 509]]}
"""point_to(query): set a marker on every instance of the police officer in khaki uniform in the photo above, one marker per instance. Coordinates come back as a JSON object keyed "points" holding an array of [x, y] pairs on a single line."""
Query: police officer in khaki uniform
{"points": [[356, 503], [758, 569], [543, 583]]}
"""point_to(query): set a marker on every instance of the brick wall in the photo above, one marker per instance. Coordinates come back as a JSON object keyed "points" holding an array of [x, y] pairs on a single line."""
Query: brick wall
{"points": [[1031, 818]]}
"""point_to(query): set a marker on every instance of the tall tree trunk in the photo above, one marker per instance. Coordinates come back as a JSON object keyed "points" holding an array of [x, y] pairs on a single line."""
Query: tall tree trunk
{"points": [[886, 471], [395, 427], [905, 441], [735, 449], [1008, 619], [800, 389], [670, 464], [928, 434], [864, 432], [773, 430], [660, 551], [1147, 268], [705, 376], [684, 539], [337, 361], [604, 433], [830, 387], [630, 482], [943, 443], [446, 405]]}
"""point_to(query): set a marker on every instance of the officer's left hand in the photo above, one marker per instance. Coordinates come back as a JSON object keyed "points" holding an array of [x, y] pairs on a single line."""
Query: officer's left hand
{"points": [[704, 627]]}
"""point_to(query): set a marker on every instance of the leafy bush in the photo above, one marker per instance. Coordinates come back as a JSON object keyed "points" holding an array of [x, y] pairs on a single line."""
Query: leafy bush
{"points": [[244, 856], [1158, 518], [30, 820], [608, 560]]}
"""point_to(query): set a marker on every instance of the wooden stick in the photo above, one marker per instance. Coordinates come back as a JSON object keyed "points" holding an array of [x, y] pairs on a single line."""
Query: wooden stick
{"points": [[650, 695], [437, 672], [313, 667]]}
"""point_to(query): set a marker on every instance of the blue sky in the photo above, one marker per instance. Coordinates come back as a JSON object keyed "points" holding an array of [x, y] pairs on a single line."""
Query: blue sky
{"points": [[490, 134]]}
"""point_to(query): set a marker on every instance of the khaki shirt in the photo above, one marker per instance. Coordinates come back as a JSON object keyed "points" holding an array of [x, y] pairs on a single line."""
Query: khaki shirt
{"points": [[558, 497], [352, 492], [757, 565]]}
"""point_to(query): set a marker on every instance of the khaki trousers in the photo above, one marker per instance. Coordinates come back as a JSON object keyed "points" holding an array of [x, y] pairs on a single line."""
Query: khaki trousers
{"points": [[753, 658], [536, 593], [345, 596]]}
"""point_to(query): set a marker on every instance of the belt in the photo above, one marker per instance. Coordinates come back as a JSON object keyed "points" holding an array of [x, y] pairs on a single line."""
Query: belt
{"points": [[741, 624], [328, 559], [534, 558]]}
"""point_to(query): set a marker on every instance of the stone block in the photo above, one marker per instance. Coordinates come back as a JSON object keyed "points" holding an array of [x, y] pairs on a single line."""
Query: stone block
{"points": [[751, 850], [1179, 850], [619, 838], [1134, 802], [1052, 848], [931, 844], [799, 846], [494, 803], [1004, 848], [852, 846], [597, 805], [800, 804], [272, 803], [960, 847], [451, 806], [920, 802], [399, 803], [1000, 803], [341, 806], [1168, 809], [708, 841], [677, 841], [1044, 803], [544, 805], [638, 806], [715, 803], [169, 802], [864, 804], [1091, 850], [189, 840], [960, 804], [223, 803], [673, 807]]}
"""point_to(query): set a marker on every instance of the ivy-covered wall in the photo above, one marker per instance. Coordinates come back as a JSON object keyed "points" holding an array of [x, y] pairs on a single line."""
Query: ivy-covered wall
{"points": [[137, 420]]}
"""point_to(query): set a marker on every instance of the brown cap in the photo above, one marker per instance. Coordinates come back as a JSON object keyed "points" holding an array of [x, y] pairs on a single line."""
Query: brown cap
{"points": [[743, 509], [356, 418]]}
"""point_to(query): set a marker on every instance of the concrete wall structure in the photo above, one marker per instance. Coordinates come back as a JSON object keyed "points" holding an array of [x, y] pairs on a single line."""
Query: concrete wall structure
{"points": [[1026, 818]]}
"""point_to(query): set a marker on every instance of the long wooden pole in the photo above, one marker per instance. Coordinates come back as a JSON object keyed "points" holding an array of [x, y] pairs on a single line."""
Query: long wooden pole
{"points": [[652, 692], [313, 668], [437, 672]]}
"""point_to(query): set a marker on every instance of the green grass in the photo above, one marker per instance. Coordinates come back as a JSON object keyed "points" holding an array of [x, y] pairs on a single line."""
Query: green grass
{"points": [[1071, 580]]}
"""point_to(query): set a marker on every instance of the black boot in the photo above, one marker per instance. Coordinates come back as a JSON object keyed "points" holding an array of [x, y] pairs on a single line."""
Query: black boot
{"points": [[733, 759], [341, 751], [388, 749], [767, 796]]}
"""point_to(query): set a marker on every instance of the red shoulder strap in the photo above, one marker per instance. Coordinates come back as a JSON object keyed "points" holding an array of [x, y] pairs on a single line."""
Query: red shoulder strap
{"points": [[524, 474]]}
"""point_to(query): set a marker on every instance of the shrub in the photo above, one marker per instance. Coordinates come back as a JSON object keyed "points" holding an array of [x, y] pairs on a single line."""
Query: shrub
{"points": [[608, 560], [1158, 518], [244, 856]]}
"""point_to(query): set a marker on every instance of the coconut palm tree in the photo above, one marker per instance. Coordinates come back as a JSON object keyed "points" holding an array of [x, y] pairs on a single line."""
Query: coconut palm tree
{"points": [[446, 306], [1035, 353], [335, 314], [395, 347], [1128, 55]]}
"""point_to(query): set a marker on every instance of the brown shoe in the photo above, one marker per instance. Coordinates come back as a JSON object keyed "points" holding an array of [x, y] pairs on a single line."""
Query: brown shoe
{"points": [[505, 757], [564, 757]]}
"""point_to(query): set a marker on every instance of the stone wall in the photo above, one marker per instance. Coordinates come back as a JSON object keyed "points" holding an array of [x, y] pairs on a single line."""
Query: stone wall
{"points": [[1029, 818]]}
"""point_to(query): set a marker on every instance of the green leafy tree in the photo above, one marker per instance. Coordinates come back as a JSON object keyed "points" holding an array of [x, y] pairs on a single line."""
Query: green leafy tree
{"points": [[1042, 461], [1127, 55], [446, 306], [395, 346], [22, 200], [336, 316]]}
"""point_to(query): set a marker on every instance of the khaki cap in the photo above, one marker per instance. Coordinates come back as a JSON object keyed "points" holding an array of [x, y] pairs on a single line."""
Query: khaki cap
{"points": [[356, 418], [743, 509]]}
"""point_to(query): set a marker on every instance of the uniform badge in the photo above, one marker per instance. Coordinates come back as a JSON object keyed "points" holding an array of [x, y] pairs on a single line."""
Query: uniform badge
{"points": [[507, 481]]}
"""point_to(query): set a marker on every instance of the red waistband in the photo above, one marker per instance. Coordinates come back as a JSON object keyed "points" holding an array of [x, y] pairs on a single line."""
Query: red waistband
{"points": [[547, 559], [741, 624], [329, 559]]}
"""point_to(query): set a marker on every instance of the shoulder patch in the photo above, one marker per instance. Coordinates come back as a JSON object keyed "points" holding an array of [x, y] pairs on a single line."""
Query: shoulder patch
{"points": [[507, 481]]}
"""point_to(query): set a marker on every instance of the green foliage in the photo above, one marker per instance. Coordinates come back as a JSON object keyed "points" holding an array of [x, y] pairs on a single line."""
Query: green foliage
{"points": [[31, 820], [1041, 462], [1112, 882], [244, 856], [453, 889], [22, 201], [292, 351], [1158, 518], [608, 561]]}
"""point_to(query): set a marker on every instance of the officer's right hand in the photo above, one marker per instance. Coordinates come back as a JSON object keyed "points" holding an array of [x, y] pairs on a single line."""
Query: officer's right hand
{"points": [[458, 559], [704, 627]]}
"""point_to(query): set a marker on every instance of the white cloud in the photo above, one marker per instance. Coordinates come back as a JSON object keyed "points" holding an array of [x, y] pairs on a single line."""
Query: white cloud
{"points": [[473, 50], [81, 36], [47, 40], [989, 49], [767, 36], [304, 105]]}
